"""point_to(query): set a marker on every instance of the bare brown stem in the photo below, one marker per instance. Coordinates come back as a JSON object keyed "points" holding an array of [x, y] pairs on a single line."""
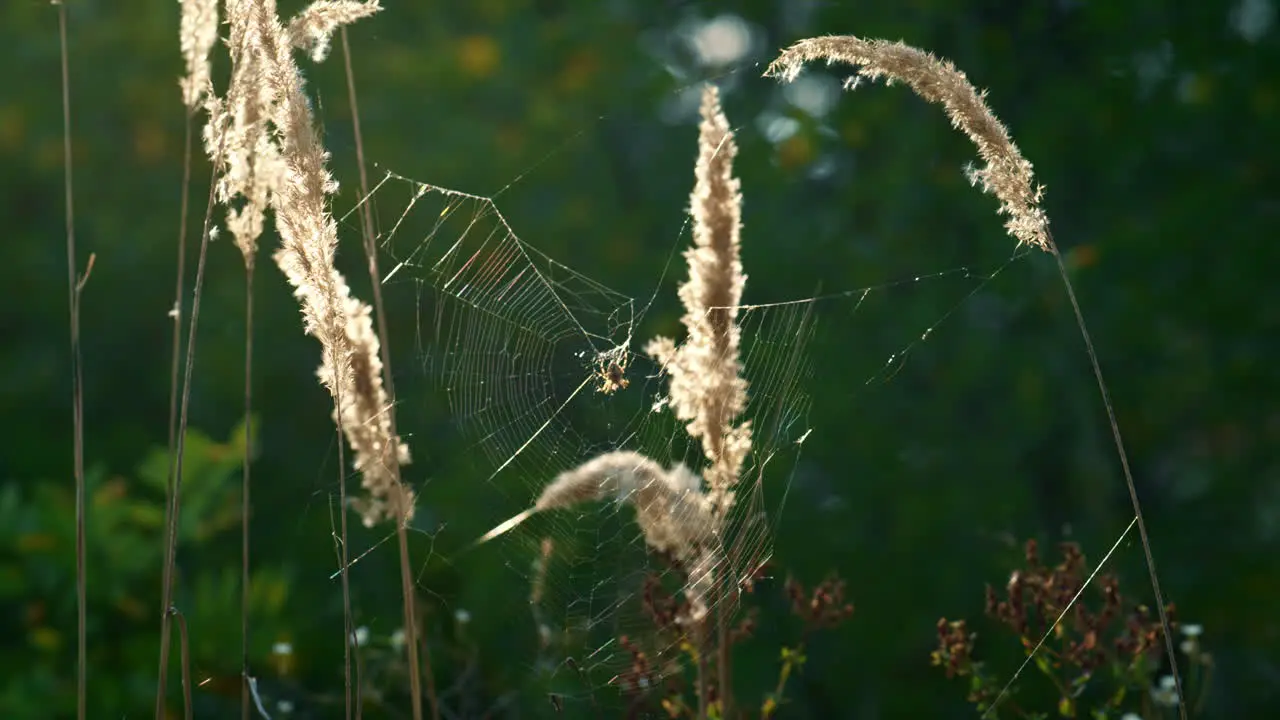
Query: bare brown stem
{"points": [[371, 254], [244, 491], [348, 629], [74, 287], [175, 497], [180, 278], [411, 627], [185, 645]]}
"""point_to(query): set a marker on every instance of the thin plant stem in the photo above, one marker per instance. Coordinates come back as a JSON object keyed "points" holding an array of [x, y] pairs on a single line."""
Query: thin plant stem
{"points": [[180, 278], [75, 285], [176, 314], [343, 553], [410, 627], [1128, 478], [343, 562], [244, 490], [371, 254], [175, 497], [185, 645]]}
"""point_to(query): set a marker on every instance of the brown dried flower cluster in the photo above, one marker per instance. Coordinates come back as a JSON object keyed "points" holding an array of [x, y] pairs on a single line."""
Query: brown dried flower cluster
{"points": [[668, 612], [1036, 596], [955, 647], [1091, 634], [824, 607]]}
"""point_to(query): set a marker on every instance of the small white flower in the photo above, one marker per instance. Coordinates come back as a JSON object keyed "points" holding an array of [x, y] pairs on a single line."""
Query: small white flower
{"points": [[282, 648], [285, 707], [361, 636], [1192, 631], [1166, 694], [462, 617], [1131, 716], [397, 639]]}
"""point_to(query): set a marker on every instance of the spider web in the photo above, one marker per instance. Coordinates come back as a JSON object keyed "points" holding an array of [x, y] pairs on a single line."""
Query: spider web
{"points": [[520, 348]]}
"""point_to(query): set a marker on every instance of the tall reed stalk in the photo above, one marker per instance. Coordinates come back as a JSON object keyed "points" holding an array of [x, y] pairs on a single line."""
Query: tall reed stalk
{"points": [[1008, 176], [75, 286]]}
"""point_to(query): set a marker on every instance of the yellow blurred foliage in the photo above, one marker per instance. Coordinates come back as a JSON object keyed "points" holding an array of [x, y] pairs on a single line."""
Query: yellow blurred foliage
{"points": [[478, 55], [795, 152], [581, 68], [46, 639], [13, 128]]}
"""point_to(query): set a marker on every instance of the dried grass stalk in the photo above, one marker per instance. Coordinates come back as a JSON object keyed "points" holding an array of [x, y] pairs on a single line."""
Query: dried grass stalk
{"points": [[263, 135], [1007, 174]]}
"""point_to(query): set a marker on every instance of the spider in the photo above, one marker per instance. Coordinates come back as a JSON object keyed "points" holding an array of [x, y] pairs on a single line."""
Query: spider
{"points": [[612, 373]]}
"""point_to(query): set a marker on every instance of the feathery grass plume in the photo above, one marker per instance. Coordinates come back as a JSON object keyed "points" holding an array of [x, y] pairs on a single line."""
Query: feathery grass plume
{"points": [[671, 510], [275, 157], [352, 369], [313, 28], [707, 389], [238, 139], [1007, 174], [197, 32], [670, 507]]}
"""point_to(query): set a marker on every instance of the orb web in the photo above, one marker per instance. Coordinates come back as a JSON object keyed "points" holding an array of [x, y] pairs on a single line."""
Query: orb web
{"points": [[541, 369], [511, 337]]}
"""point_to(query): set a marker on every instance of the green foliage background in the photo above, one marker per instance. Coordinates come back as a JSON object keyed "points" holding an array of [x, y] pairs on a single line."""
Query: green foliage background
{"points": [[1153, 125]]}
